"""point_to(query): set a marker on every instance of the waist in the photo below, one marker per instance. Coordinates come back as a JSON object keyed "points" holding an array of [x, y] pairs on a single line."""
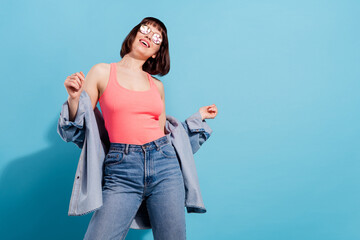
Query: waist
{"points": [[115, 146]]}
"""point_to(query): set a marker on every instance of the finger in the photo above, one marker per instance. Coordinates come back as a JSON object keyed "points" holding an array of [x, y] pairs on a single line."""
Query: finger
{"points": [[81, 76], [72, 77], [77, 81], [74, 85]]}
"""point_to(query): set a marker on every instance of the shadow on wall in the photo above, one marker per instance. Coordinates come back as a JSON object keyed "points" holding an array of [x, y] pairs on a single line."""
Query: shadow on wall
{"points": [[35, 194]]}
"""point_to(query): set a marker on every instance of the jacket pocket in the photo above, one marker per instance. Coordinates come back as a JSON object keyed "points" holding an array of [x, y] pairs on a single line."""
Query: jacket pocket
{"points": [[113, 158], [167, 150]]}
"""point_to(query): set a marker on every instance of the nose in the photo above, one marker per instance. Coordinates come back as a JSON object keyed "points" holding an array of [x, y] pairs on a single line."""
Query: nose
{"points": [[148, 37]]}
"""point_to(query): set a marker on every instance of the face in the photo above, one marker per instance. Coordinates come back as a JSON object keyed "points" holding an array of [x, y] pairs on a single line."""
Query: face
{"points": [[148, 40]]}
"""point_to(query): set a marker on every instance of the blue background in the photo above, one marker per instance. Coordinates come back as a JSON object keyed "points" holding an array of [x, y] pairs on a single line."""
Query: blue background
{"points": [[283, 160]]}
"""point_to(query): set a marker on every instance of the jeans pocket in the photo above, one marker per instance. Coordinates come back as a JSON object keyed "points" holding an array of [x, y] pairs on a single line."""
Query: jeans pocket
{"points": [[167, 150], [113, 158]]}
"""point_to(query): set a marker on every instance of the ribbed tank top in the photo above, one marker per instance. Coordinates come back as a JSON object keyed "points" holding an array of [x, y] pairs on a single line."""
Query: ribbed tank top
{"points": [[131, 116]]}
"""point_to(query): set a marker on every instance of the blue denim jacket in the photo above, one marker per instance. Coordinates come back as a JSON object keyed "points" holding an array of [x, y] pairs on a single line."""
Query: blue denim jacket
{"points": [[88, 132]]}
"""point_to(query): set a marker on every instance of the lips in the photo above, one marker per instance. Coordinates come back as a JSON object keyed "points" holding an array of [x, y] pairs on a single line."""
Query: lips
{"points": [[148, 44]]}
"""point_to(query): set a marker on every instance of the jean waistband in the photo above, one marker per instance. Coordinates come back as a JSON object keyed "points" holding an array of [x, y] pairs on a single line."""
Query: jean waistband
{"points": [[136, 147]]}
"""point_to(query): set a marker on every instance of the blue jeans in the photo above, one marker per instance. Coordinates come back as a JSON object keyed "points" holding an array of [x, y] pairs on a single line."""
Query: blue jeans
{"points": [[133, 173]]}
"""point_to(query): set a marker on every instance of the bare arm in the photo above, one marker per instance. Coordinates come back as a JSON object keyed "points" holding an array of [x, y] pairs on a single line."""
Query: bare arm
{"points": [[162, 117], [73, 104], [73, 85], [90, 85], [92, 81]]}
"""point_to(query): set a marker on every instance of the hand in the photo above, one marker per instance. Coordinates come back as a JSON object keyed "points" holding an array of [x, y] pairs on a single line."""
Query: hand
{"points": [[208, 111], [74, 84]]}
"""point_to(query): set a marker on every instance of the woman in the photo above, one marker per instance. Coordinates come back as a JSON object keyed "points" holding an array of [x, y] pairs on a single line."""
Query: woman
{"points": [[141, 164]]}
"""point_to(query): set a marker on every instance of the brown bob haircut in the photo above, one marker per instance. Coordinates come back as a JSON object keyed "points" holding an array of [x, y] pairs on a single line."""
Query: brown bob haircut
{"points": [[160, 65]]}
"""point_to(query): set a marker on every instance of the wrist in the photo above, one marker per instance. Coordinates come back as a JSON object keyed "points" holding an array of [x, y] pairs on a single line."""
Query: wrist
{"points": [[73, 99]]}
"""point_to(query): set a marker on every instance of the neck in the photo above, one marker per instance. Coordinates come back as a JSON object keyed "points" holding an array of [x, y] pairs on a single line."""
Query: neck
{"points": [[131, 62]]}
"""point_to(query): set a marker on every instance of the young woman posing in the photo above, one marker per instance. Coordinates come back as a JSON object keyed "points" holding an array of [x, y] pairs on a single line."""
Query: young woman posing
{"points": [[141, 164]]}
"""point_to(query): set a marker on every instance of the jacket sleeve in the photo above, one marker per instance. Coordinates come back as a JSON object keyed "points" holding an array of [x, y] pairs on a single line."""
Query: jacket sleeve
{"points": [[72, 131], [197, 129]]}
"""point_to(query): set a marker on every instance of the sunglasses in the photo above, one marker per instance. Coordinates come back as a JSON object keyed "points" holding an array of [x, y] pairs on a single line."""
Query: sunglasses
{"points": [[156, 38]]}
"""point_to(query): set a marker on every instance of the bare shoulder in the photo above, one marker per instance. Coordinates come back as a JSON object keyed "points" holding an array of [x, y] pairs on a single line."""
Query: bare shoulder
{"points": [[97, 72], [100, 69], [159, 85], [94, 80]]}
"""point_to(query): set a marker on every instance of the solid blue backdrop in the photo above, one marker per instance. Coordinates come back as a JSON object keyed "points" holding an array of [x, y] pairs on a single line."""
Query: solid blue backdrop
{"points": [[283, 160]]}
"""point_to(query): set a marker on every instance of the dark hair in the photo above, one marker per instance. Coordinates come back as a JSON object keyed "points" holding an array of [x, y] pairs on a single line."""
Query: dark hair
{"points": [[160, 65]]}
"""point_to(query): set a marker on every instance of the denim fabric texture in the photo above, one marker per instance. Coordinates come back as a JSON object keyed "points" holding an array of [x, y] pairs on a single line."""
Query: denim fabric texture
{"points": [[88, 132], [138, 176]]}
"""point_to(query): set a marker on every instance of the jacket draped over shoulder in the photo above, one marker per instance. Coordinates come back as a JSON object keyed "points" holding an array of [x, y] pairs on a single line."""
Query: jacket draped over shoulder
{"points": [[88, 132]]}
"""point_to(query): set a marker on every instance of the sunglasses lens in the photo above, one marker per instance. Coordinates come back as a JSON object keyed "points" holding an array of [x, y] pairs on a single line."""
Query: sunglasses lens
{"points": [[144, 29], [156, 39]]}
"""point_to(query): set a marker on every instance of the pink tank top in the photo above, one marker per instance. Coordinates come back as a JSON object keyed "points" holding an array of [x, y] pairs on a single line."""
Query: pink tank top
{"points": [[131, 116]]}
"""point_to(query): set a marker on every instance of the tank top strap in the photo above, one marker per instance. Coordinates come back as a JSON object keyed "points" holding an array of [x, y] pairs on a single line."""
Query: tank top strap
{"points": [[112, 72], [151, 80]]}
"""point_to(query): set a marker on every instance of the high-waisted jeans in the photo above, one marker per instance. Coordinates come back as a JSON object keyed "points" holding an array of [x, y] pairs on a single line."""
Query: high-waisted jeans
{"points": [[133, 173]]}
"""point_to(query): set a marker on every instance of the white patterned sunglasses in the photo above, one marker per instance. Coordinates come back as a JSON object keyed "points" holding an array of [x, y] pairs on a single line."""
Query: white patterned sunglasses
{"points": [[156, 38]]}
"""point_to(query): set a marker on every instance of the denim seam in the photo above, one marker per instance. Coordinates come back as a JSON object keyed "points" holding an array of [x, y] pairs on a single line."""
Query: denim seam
{"points": [[118, 161], [165, 155], [132, 219]]}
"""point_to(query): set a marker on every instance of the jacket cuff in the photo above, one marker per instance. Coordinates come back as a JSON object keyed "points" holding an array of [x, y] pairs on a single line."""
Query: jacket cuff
{"points": [[79, 118], [196, 124]]}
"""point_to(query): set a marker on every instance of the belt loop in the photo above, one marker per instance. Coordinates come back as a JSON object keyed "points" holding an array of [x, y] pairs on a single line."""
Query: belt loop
{"points": [[126, 148], [157, 146]]}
